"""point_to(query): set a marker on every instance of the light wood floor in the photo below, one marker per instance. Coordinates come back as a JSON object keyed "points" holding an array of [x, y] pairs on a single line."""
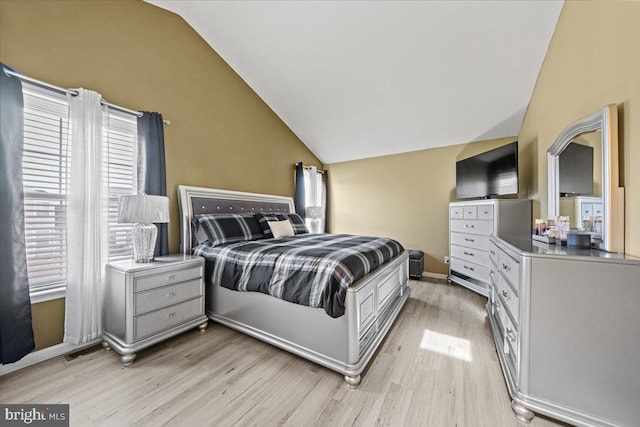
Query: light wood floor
{"points": [[224, 378]]}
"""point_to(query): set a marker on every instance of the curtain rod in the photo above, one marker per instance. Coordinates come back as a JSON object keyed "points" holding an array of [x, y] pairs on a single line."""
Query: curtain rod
{"points": [[12, 73], [309, 167]]}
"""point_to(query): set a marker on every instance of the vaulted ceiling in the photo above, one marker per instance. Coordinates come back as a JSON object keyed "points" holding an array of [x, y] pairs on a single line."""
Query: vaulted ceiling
{"points": [[357, 79]]}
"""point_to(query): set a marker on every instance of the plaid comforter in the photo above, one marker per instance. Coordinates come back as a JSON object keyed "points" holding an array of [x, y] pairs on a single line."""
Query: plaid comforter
{"points": [[307, 269]]}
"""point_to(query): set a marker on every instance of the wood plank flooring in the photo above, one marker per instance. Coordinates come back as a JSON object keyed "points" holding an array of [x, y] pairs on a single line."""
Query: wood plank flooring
{"points": [[437, 367]]}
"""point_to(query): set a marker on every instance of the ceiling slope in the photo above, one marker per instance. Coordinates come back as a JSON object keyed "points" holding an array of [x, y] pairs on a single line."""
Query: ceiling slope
{"points": [[357, 79]]}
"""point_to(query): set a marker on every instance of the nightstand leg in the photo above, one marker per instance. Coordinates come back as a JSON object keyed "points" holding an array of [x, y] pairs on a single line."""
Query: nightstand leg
{"points": [[522, 414], [127, 359], [352, 381], [203, 326], [106, 345]]}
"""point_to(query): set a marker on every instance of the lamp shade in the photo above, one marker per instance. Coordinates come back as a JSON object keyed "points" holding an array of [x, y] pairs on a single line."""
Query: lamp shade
{"points": [[144, 209]]}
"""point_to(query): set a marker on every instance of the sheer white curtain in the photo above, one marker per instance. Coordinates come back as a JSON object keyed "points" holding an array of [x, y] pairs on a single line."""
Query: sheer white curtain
{"points": [[87, 239]]}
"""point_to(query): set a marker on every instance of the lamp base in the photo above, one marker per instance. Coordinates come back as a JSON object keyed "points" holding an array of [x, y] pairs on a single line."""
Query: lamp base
{"points": [[144, 241]]}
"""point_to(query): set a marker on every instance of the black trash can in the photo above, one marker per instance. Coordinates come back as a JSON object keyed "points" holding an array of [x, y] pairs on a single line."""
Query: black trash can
{"points": [[416, 263]]}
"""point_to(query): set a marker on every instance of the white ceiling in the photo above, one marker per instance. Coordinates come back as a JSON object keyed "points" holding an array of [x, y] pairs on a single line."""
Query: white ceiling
{"points": [[357, 79]]}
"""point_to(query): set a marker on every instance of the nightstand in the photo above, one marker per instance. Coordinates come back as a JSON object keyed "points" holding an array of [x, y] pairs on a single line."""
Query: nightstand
{"points": [[146, 303]]}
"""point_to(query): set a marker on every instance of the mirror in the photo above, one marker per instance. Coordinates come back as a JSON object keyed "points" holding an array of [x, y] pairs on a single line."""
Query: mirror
{"points": [[583, 179]]}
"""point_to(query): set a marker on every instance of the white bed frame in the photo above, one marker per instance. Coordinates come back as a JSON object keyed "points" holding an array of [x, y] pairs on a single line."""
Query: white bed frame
{"points": [[345, 344]]}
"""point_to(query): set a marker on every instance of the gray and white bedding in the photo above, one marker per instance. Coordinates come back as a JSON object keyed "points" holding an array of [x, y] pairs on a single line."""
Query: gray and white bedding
{"points": [[307, 269]]}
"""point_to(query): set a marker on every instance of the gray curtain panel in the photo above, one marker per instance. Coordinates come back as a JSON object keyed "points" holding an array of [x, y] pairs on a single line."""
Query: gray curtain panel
{"points": [[151, 141], [16, 333], [299, 190]]}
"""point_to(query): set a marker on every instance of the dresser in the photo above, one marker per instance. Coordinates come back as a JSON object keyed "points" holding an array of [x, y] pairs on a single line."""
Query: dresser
{"points": [[146, 303], [470, 225], [565, 325]]}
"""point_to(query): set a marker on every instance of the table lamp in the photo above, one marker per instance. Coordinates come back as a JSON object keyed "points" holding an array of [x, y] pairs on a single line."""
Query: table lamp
{"points": [[144, 211]]}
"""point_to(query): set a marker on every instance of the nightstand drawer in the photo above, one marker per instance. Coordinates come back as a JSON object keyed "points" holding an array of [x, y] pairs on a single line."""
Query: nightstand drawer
{"points": [[485, 212], [167, 295], [168, 278], [470, 212], [156, 321]]}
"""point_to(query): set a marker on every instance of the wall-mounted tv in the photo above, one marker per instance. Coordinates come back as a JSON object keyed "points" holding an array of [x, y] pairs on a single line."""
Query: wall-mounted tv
{"points": [[492, 173]]}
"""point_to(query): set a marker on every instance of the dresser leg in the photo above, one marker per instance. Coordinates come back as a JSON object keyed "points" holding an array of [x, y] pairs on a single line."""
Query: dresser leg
{"points": [[106, 345], [203, 326], [352, 381], [522, 414], [127, 359]]}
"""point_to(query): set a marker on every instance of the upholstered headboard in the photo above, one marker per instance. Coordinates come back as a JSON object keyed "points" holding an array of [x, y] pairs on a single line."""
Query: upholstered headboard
{"points": [[198, 200]]}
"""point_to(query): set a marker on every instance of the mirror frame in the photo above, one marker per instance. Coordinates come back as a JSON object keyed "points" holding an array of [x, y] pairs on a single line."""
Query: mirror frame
{"points": [[612, 194]]}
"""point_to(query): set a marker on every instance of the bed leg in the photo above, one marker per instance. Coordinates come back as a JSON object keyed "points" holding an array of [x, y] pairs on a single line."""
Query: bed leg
{"points": [[522, 414], [352, 381]]}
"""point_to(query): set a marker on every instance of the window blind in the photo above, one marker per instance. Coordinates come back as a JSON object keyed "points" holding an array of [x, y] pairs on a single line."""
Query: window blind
{"points": [[45, 169], [120, 172]]}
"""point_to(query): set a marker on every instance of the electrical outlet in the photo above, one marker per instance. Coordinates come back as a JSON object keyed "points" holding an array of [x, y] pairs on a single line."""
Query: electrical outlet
{"points": [[446, 259]]}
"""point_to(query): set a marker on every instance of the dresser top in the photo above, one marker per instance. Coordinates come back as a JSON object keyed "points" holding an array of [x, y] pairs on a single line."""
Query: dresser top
{"points": [[129, 265], [529, 247]]}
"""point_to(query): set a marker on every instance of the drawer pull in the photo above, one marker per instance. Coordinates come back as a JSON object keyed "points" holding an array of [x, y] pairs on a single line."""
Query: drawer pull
{"points": [[172, 277], [469, 240], [171, 295], [491, 272], [469, 268], [506, 296], [172, 314], [469, 226], [506, 268], [511, 336], [493, 253], [468, 253]]}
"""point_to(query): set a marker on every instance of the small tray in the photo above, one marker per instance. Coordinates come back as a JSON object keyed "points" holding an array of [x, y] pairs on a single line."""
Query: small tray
{"points": [[543, 239]]}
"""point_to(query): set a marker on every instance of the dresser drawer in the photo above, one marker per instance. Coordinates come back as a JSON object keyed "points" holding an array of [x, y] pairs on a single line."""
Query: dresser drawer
{"points": [[470, 240], [472, 226], [166, 296], [511, 300], [470, 212], [511, 343], [485, 212], [455, 212], [471, 269], [511, 270], [470, 254], [163, 279], [157, 321], [493, 253]]}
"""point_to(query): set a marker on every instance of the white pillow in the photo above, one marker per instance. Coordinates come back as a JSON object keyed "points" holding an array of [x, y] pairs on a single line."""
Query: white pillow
{"points": [[281, 228]]}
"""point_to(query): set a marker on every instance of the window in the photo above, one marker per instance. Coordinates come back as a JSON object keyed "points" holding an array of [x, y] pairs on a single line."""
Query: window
{"points": [[314, 196], [46, 164]]}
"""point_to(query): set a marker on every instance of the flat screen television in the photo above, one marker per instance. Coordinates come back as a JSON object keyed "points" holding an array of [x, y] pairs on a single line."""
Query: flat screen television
{"points": [[492, 173]]}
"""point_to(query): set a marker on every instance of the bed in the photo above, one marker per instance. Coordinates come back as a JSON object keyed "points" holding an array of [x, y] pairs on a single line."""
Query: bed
{"points": [[345, 344]]}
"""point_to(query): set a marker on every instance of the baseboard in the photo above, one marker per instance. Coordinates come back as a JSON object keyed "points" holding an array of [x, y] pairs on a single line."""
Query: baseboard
{"points": [[45, 354], [435, 275]]}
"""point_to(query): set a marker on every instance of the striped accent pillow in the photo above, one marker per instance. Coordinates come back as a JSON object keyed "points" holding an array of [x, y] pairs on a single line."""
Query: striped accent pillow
{"points": [[296, 220], [228, 228]]}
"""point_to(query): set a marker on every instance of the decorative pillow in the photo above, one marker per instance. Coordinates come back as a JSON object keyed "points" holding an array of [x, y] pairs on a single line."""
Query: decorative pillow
{"points": [[228, 228], [199, 236], [296, 222], [281, 228]]}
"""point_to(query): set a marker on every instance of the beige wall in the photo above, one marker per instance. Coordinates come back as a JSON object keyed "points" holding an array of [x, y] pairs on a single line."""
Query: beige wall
{"points": [[402, 196], [593, 60], [142, 57]]}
